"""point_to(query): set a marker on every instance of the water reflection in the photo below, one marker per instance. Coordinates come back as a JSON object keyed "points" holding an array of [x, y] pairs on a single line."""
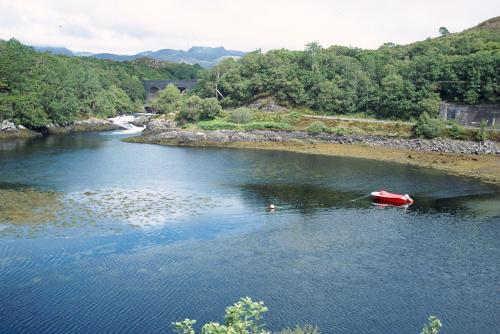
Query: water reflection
{"points": [[308, 198]]}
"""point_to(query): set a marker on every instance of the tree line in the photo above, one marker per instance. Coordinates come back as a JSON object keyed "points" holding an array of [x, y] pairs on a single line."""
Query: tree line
{"points": [[37, 89], [393, 81]]}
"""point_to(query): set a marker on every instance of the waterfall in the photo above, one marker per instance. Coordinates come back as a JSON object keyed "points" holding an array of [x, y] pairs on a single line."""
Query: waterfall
{"points": [[125, 122]]}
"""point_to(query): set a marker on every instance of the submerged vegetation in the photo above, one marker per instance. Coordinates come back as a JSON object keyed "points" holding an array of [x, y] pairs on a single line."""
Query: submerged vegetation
{"points": [[246, 317]]}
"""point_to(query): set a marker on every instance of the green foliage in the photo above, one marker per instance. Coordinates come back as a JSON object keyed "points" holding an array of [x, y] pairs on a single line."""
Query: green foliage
{"points": [[317, 127], [394, 81], [241, 115], [210, 108], [246, 317], [167, 100], [482, 133], [443, 31], [37, 89], [194, 108], [267, 125], [184, 326], [456, 131], [243, 317], [217, 124], [428, 127], [432, 327]]}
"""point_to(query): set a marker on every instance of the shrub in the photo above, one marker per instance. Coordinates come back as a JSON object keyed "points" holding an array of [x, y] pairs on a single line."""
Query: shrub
{"points": [[482, 133], [243, 317], [456, 131], [194, 108], [268, 125], [217, 124], [210, 108], [241, 115], [317, 127], [246, 316], [341, 131], [432, 327], [167, 100], [428, 127]]}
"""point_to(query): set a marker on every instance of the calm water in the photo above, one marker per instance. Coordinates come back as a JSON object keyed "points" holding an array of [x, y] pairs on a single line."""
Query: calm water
{"points": [[98, 235]]}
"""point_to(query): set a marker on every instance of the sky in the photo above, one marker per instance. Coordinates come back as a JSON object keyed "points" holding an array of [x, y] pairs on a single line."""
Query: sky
{"points": [[128, 27]]}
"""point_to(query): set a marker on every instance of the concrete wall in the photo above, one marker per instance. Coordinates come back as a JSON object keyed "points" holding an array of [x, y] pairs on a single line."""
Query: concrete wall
{"points": [[471, 115]]}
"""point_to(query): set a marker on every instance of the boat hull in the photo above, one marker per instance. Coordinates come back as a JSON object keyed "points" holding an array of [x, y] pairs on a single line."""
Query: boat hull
{"points": [[385, 197]]}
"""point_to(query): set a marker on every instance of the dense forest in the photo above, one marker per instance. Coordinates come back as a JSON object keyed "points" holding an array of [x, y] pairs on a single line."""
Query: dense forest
{"points": [[394, 81], [37, 89]]}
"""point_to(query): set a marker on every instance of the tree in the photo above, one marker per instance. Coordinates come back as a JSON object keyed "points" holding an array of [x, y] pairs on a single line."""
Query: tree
{"points": [[443, 31], [167, 100]]}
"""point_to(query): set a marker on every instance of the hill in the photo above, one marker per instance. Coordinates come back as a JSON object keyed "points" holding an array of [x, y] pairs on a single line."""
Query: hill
{"points": [[37, 89], [393, 81], [204, 56]]}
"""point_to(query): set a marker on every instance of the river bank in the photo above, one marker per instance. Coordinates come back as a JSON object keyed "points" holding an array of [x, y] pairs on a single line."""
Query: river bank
{"points": [[8, 130], [471, 159]]}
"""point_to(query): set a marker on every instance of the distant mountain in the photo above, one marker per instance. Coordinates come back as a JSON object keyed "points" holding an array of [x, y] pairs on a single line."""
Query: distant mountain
{"points": [[54, 50], [205, 56]]}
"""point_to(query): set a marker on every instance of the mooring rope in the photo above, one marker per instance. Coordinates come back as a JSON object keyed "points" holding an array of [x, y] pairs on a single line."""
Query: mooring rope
{"points": [[353, 200]]}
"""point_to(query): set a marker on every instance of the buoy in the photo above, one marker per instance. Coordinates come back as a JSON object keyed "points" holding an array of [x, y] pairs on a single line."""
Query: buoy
{"points": [[272, 207]]}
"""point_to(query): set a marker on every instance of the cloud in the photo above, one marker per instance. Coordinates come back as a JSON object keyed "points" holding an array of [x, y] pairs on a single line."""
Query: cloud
{"points": [[131, 26], [76, 30]]}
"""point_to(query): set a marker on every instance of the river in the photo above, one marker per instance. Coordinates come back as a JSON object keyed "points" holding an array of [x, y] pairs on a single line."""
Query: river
{"points": [[99, 235]]}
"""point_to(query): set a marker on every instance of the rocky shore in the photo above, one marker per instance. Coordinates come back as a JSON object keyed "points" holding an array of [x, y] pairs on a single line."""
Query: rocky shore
{"points": [[87, 125], [164, 134], [9, 130]]}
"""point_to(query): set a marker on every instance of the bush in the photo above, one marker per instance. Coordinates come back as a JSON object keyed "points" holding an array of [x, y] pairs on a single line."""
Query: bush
{"points": [[217, 124], [317, 127], [167, 100], [456, 131], [268, 125], [210, 108], [482, 133], [246, 316], [428, 127], [194, 108], [241, 115], [243, 317]]}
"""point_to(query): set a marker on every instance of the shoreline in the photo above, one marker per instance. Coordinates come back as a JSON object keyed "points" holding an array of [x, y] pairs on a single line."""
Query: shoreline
{"points": [[86, 125], [483, 167]]}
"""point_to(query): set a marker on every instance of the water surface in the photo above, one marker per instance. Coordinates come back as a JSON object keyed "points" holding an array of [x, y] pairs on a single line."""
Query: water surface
{"points": [[98, 235]]}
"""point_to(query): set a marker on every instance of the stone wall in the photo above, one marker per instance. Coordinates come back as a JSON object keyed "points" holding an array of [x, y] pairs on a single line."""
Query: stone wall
{"points": [[154, 86], [471, 115]]}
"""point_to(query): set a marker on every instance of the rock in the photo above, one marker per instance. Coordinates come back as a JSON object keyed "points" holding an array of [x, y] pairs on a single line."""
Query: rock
{"points": [[159, 130], [159, 125], [7, 125], [267, 104], [86, 125], [140, 121]]}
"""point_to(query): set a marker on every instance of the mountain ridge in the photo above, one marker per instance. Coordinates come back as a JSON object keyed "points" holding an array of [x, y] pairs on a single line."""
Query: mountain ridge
{"points": [[203, 55]]}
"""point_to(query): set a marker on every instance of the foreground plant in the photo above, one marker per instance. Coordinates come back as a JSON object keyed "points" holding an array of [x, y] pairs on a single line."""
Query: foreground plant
{"points": [[245, 317]]}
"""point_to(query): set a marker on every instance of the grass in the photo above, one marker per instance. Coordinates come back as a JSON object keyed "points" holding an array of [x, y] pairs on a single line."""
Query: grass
{"points": [[304, 119]]}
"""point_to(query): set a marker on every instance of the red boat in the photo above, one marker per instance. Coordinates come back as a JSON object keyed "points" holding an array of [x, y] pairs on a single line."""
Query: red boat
{"points": [[385, 197]]}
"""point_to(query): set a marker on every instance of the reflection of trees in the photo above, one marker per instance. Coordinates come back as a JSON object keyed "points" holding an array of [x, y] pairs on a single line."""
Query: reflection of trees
{"points": [[305, 198], [15, 147]]}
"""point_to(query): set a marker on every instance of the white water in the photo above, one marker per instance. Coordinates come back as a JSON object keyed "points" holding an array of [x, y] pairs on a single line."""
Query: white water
{"points": [[125, 122]]}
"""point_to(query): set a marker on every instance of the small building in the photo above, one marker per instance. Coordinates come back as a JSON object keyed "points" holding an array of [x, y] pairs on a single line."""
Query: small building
{"points": [[471, 115]]}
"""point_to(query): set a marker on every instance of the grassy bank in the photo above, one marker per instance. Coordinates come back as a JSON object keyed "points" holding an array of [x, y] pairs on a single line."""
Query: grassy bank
{"points": [[485, 168]]}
